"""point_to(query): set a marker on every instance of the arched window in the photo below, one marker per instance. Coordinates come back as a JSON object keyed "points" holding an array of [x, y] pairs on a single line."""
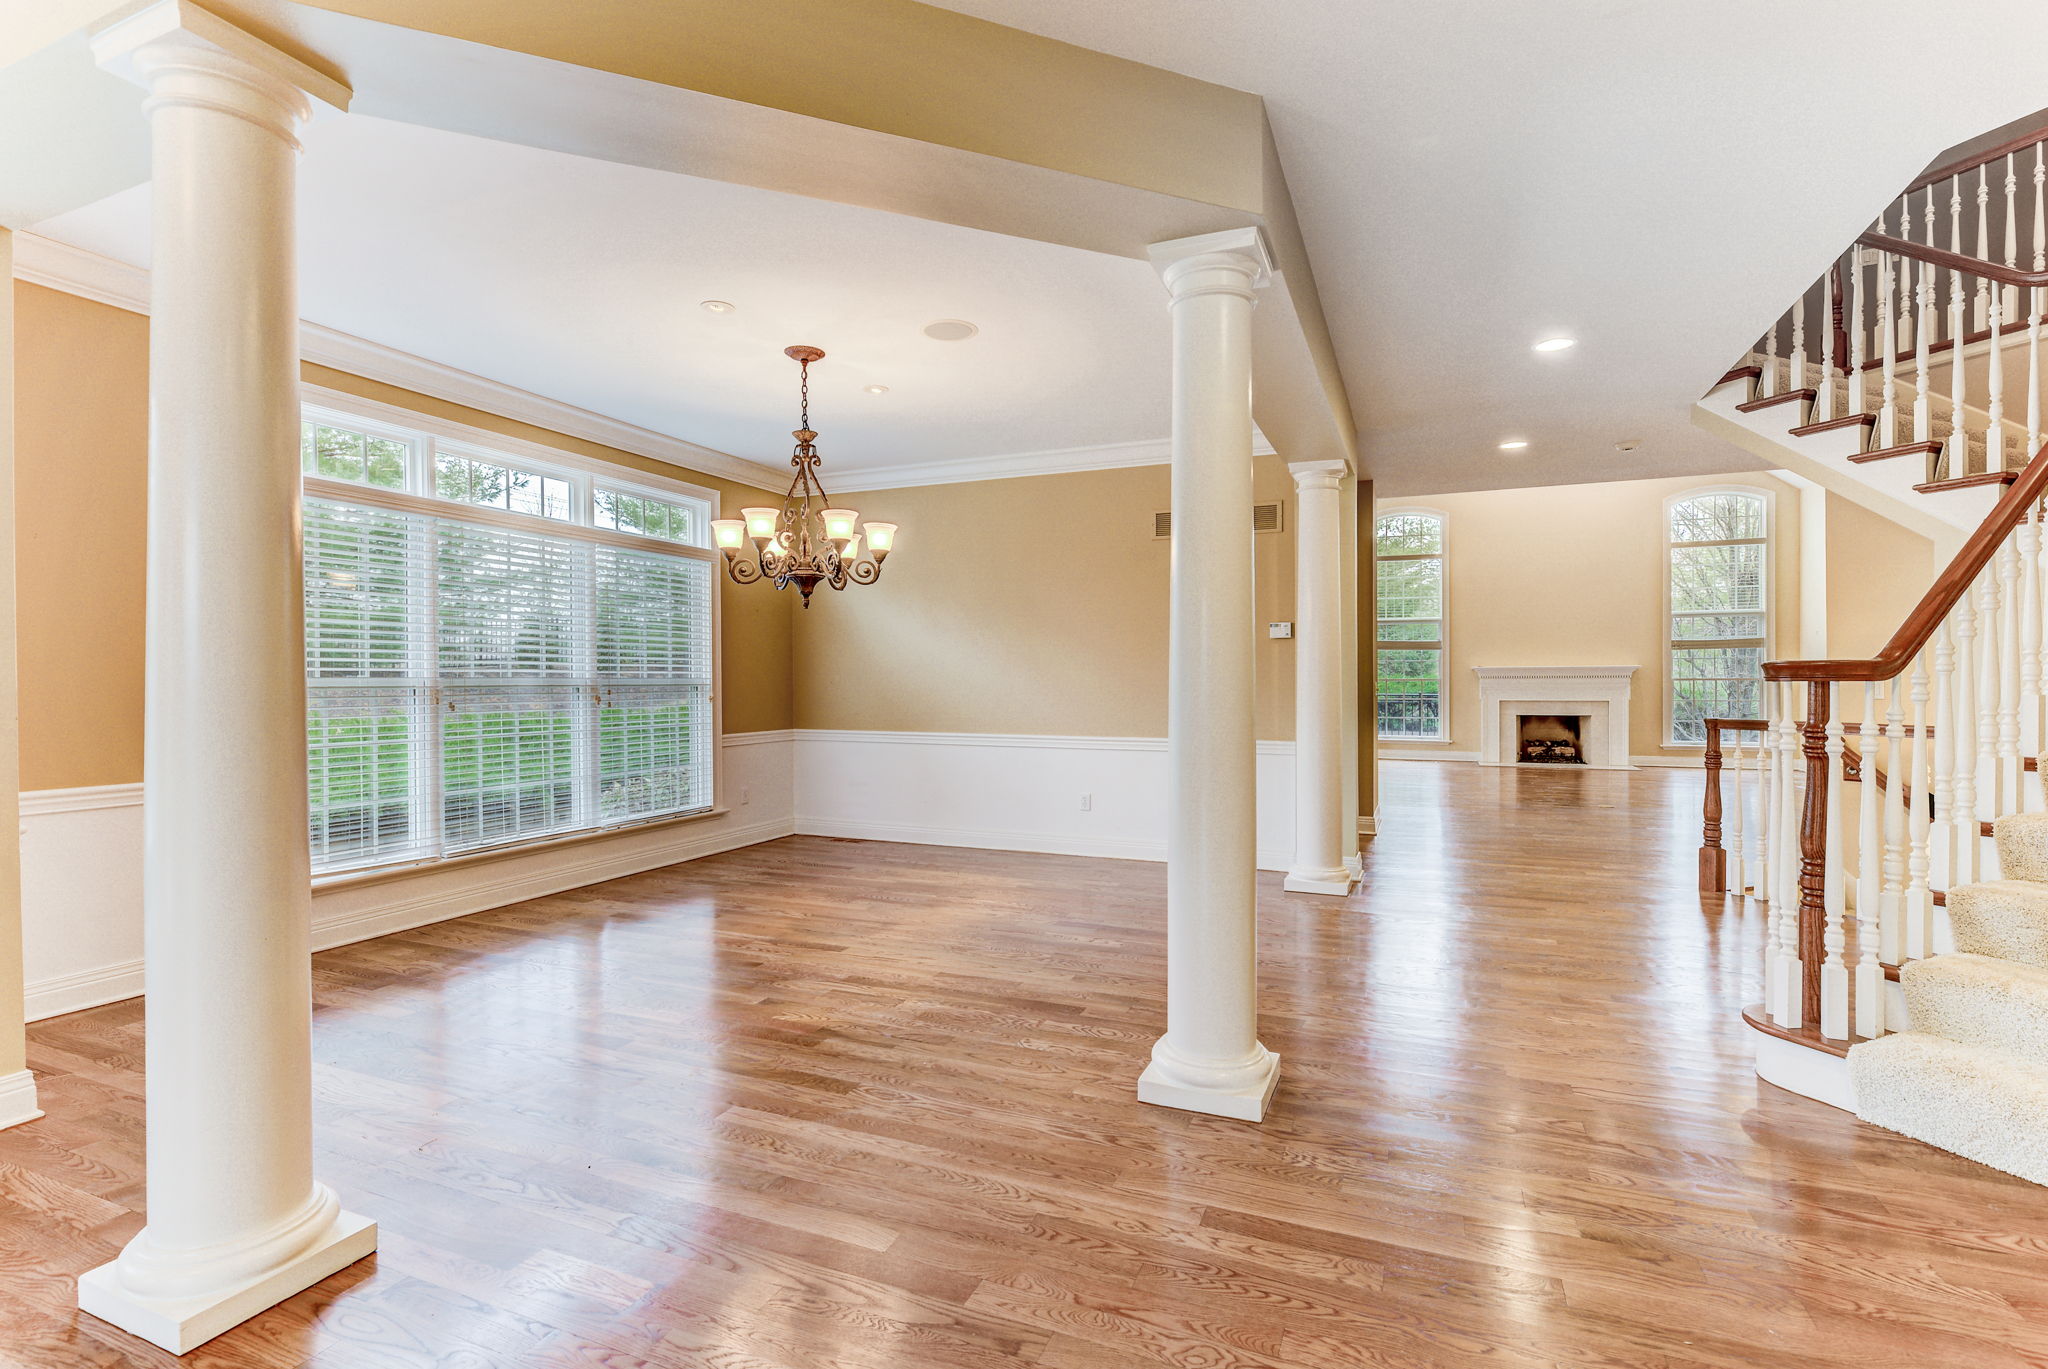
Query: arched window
{"points": [[1718, 550], [1408, 548]]}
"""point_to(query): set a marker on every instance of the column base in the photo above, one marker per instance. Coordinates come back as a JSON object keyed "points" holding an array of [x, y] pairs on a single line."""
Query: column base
{"points": [[1354, 866], [1336, 880], [1244, 1104], [183, 1324]]}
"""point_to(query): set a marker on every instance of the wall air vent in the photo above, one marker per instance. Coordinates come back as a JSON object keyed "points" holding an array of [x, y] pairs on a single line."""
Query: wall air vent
{"points": [[1265, 518]]}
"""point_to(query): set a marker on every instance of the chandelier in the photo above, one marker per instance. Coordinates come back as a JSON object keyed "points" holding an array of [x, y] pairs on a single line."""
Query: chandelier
{"points": [[803, 543]]}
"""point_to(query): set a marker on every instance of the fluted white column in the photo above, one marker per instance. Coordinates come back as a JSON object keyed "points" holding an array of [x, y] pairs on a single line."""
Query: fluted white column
{"points": [[1347, 541], [1318, 866], [1210, 1059], [237, 1221]]}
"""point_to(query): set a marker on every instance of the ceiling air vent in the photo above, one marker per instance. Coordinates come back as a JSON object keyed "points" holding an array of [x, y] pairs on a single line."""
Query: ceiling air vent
{"points": [[1265, 518]]}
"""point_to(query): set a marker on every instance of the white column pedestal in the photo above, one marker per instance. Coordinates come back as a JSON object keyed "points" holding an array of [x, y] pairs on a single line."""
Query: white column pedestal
{"points": [[1210, 1059], [1318, 866], [237, 1221]]}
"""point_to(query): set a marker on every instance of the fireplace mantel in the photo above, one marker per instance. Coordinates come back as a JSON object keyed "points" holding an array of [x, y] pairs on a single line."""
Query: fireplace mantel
{"points": [[1597, 694]]}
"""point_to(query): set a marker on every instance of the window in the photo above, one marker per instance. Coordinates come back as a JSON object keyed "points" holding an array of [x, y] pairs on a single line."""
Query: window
{"points": [[500, 647], [1718, 544], [1408, 553]]}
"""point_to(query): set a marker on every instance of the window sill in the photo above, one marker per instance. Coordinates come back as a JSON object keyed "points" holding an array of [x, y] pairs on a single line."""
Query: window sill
{"points": [[358, 879]]}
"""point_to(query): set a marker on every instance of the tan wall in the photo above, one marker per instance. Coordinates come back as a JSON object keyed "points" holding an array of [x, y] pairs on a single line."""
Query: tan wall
{"points": [[81, 492], [1035, 605], [1574, 575], [13, 1043]]}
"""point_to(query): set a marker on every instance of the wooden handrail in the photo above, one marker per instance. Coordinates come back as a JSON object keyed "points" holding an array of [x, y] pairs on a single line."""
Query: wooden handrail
{"points": [[2017, 143], [1953, 261], [2012, 509]]}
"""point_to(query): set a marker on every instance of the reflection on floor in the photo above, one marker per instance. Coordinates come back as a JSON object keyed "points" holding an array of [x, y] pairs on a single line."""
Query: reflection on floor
{"points": [[839, 1105]]}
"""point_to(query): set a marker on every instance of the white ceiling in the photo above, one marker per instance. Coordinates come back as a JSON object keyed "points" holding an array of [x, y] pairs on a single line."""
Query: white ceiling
{"points": [[1655, 179], [1658, 179], [581, 280]]}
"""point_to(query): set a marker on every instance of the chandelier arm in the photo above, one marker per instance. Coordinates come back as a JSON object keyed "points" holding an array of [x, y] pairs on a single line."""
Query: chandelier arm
{"points": [[864, 572]]}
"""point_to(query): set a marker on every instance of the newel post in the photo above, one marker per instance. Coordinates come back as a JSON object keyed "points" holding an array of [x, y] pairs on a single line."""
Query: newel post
{"points": [[1813, 849], [1713, 859]]}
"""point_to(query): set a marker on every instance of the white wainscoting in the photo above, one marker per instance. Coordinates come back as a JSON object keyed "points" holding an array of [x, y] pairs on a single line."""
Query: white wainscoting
{"points": [[82, 848], [81, 872], [1014, 793]]}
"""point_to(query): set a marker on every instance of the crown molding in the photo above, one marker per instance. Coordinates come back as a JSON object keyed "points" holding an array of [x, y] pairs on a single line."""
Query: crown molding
{"points": [[1109, 456], [60, 266]]}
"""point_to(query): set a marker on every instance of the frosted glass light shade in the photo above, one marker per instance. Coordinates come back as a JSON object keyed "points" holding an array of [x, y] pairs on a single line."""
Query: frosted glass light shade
{"points": [[729, 533], [881, 538], [760, 522], [840, 523], [852, 552]]}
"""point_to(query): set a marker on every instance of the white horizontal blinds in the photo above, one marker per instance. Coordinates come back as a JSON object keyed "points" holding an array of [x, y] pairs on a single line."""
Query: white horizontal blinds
{"points": [[369, 695], [653, 670], [484, 665], [512, 615]]}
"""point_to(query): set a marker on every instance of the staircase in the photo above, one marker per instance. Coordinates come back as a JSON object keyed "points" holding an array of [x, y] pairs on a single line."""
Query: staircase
{"points": [[1971, 1073], [1888, 816]]}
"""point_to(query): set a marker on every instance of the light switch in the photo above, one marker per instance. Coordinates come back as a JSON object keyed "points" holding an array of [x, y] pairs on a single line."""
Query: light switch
{"points": [[1279, 629]]}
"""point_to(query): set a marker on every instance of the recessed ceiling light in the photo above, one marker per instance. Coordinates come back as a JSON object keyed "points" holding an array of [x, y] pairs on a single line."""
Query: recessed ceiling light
{"points": [[1628, 444], [1513, 446], [715, 306], [1556, 344], [950, 330], [878, 389]]}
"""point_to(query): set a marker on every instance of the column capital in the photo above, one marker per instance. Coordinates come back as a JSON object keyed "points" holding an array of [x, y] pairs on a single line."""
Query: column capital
{"points": [[1318, 475], [1236, 261], [185, 55]]}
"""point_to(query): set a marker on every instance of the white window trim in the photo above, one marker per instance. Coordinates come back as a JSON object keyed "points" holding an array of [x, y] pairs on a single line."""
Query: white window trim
{"points": [[1670, 740], [405, 425], [1443, 683]]}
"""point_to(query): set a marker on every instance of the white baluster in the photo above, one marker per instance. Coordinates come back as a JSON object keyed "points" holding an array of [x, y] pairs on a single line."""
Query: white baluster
{"points": [[2008, 658], [1941, 839], [1738, 849], [1798, 360], [1989, 675], [1867, 996], [1903, 320], [1919, 898], [1923, 323], [1760, 833], [1888, 330], [1785, 840], [1958, 325], [1982, 303], [1834, 973], [2030, 705], [1903, 792], [1994, 432], [1963, 863], [2011, 294], [1767, 383], [1857, 336]]}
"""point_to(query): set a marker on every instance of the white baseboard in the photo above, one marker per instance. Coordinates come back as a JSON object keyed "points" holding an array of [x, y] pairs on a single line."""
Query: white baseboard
{"points": [[18, 1099], [82, 876]]}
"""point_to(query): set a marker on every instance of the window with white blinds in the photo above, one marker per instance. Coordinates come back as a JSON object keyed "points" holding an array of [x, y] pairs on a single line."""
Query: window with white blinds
{"points": [[500, 658]]}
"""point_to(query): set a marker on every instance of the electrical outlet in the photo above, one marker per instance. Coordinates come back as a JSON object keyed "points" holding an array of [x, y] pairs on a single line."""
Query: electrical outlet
{"points": [[1087, 803]]}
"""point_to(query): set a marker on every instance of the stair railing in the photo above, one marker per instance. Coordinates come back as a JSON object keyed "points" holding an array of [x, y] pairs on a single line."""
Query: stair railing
{"points": [[1946, 719], [1935, 286]]}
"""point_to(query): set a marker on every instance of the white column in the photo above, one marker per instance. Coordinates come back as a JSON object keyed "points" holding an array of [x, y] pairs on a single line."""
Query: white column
{"points": [[1210, 1059], [17, 1085], [1348, 813], [1318, 866], [236, 1220]]}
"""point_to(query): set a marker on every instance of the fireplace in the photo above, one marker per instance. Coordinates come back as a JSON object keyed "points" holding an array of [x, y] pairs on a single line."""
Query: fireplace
{"points": [[1589, 700], [1548, 739]]}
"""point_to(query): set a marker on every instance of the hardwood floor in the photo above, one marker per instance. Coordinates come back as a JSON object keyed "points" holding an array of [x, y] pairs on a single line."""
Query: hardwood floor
{"points": [[837, 1105]]}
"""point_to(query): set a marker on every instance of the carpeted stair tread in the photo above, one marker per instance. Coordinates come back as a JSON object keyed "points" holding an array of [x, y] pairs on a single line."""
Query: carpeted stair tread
{"points": [[2005, 918], [2022, 840], [1983, 1106], [1977, 1000]]}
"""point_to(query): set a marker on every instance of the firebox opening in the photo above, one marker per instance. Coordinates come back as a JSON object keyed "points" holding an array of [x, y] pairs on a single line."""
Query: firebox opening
{"points": [[1549, 739]]}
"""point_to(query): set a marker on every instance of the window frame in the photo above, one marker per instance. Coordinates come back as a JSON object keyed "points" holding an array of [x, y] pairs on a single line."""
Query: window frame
{"points": [[424, 435], [1769, 574], [1443, 620]]}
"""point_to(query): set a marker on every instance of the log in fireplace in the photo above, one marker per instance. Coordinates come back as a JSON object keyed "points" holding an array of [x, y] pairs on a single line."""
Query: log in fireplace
{"points": [[1548, 739]]}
